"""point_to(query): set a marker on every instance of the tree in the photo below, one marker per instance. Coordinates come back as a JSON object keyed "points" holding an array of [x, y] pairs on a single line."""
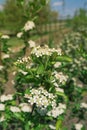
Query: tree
{"points": [[80, 18], [13, 15]]}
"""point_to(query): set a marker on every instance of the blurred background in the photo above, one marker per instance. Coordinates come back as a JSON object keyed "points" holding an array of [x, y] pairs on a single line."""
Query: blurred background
{"points": [[55, 19]]}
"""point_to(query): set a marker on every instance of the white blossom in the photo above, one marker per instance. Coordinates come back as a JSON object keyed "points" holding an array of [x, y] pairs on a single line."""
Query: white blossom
{"points": [[29, 25], [4, 98], [13, 82], [15, 109], [40, 97], [52, 127], [45, 50], [61, 77], [78, 126], [31, 43], [5, 37], [57, 64], [59, 90], [2, 107], [25, 107], [2, 118], [58, 110], [19, 35], [5, 56], [83, 105], [1, 67], [23, 72]]}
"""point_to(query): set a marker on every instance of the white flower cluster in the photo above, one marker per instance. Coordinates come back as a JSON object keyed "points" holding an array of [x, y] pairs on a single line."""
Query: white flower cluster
{"points": [[57, 88], [19, 35], [29, 25], [5, 37], [77, 82], [57, 64], [60, 77], [23, 60], [1, 67], [2, 107], [83, 105], [78, 126], [5, 56], [58, 110], [4, 98], [25, 107], [23, 72], [31, 43], [40, 97], [15, 109], [40, 51], [2, 118]]}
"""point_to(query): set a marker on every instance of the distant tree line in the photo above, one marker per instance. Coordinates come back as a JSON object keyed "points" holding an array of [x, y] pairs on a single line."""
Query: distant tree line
{"points": [[79, 18]]}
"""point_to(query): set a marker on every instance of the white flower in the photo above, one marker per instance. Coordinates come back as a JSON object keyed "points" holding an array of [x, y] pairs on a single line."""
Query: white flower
{"points": [[2, 118], [84, 105], [29, 25], [15, 109], [13, 82], [78, 126], [14, 73], [55, 84], [31, 43], [59, 90], [61, 77], [1, 67], [52, 127], [40, 97], [23, 72], [4, 98], [19, 35], [56, 111], [25, 107], [5, 56], [2, 107], [57, 64], [5, 37]]}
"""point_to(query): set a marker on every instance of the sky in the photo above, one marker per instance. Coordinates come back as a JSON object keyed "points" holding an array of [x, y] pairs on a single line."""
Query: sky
{"points": [[64, 7], [67, 7], [2, 1]]}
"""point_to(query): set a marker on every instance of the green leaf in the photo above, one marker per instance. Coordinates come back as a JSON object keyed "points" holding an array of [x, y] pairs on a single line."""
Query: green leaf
{"points": [[63, 95], [40, 69], [27, 125], [59, 124], [43, 2], [19, 116], [64, 58]]}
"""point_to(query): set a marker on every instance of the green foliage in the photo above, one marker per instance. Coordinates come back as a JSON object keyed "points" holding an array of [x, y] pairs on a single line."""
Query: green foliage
{"points": [[13, 16], [79, 19], [16, 12]]}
